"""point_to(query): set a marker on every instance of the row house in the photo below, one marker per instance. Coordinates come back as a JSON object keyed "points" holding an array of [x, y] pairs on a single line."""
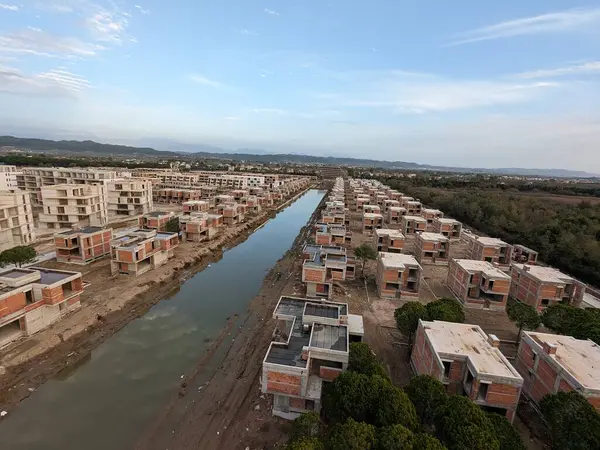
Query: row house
{"points": [[552, 363], [129, 197], [430, 215], [413, 208], [468, 362], [331, 234], [83, 245], [478, 284], [371, 222], [398, 275], [16, 220], [233, 213], [432, 248], [310, 346], [156, 220], [394, 215], [491, 250], [176, 195], [195, 206], [524, 255], [200, 226], [73, 206], [541, 287], [142, 250], [32, 299], [388, 240], [450, 228], [322, 266], [410, 225]]}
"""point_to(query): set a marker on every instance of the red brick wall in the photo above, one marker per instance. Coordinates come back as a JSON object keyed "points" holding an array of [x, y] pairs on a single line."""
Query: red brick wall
{"points": [[52, 296], [12, 304], [503, 394], [329, 373], [284, 383]]}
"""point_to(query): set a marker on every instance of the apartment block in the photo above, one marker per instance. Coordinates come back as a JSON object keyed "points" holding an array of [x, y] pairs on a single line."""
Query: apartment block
{"points": [[430, 215], [233, 213], [371, 222], [413, 208], [432, 248], [552, 363], [524, 255], [176, 195], [388, 240], [410, 225], [310, 346], [16, 220], [491, 250], [468, 362], [394, 215], [332, 234], [142, 250], [129, 197], [322, 266], [8, 177], [541, 287], [72, 206], [448, 227], [195, 206], [398, 275], [32, 299], [200, 226], [156, 220], [478, 284], [82, 246]]}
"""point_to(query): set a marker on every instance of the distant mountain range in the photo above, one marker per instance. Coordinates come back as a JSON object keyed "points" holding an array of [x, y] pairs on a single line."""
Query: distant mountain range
{"points": [[92, 148]]}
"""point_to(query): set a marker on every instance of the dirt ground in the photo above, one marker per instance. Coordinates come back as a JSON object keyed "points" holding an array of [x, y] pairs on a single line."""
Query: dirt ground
{"points": [[108, 304]]}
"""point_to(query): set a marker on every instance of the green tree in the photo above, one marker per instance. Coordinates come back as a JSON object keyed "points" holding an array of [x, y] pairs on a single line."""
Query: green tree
{"points": [[307, 425], [424, 441], [407, 319], [446, 309], [307, 443], [428, 395], [395, 437], [558, 318], [506, 433], [462, 425], [364, 253], [523, 316], [573, 422], [363, 360], [172, 226], [22, 254], [351, 435]]}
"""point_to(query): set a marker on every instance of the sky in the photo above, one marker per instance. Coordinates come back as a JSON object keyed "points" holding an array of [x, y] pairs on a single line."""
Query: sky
{"points": [[464, 83]]}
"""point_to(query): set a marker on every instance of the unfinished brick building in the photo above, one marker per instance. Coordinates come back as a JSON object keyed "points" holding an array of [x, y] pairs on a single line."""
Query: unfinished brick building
{"points": [[468, 362], [478, 284], [310, 346], [430, 215], [541, 287], [398, 275], [388, 240], [432, 248], [389, 203], [176, 195], [233, 213], [322, 266], [448, 227], [32, 299], [491, 250], [141, 251], [371, 209], [199, 227], [395, 214], [195, 206], [409, 225], [551, 363], [524, 255], [156, 220], [371, 222], [332, 235], [82, 246]]}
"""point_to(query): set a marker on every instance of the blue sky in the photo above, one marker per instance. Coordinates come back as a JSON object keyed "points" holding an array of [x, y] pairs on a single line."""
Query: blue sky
{"points": [[465, 83]]}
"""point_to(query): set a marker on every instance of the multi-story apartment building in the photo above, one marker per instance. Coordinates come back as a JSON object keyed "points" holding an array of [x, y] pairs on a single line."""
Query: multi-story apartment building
{"points": [[129, 197], [16, 220], [491, 250], [410, 225], [371, 222], [450, 228], [551, 363], [175, 195], [478, 284], [156, 220], [73, 206], [322, 266], [430, 215], [84, 245], [541, 287], [201, 226], [388, 240], [228, 181], [32, 299], [432, 248], [398, 275], [524, 255], [142, 250], [395, 214], [468, 362], [8, 177], [311, 346]]}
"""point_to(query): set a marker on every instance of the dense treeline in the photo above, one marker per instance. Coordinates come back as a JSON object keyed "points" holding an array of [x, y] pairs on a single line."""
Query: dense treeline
{"points": [[50, 161], [566, 236]]}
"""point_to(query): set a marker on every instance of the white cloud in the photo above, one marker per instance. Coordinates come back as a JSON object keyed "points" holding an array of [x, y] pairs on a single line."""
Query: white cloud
{"points": [[56, 82], [107, 26], [206, 81], [575, 20], [33, 41], [271, 12], [580, 69], [9, 7], [245, 32], [142, 10]]}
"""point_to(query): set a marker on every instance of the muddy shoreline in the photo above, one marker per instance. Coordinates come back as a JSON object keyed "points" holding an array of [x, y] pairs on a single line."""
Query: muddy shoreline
{"points": [[21, 380]]}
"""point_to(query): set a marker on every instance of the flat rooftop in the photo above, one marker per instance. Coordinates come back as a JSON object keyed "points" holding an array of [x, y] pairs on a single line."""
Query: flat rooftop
{"points": [[471, 265], [398, 260], [491, 242], [372, 216], [327, 311], [329, 337], [461, 339], [431, 211], [397, 208], [447, 220], [547, 274], [389, 232], [52, 276], [158, 214], [437, 237], [415, 218], [84, 230], [16, 273], [581, 358]]}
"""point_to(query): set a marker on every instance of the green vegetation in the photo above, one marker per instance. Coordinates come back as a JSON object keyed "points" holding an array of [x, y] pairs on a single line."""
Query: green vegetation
{"points": [[40, 160], [428, 395], [507, 434], [523, 316], [363, 360], [572, 321], [572, 421], [22, 254], [395, 437], [172, 226], [351, 435], [365, 253]]}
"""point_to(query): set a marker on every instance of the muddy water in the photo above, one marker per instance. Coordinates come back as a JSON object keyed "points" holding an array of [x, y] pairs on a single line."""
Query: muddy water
{"points": [[113, 396]]}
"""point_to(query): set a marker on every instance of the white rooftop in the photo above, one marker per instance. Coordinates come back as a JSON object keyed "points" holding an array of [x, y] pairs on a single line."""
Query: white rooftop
{"points": [[469, 340], [490, 241], [356, 325], [372, 216], [547, 274], [397, 260], [388, 232], [489, 269], [397, 208], [432, 211], [448, 221], [415, 218], [411, 202], [581, 358], [437, 237]]}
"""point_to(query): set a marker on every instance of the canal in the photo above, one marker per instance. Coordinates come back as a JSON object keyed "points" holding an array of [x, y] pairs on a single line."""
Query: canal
{"points": [[112, 397]]}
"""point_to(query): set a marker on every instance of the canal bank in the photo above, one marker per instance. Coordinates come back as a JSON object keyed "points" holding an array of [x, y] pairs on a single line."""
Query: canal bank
{"points": [[111, 399]]}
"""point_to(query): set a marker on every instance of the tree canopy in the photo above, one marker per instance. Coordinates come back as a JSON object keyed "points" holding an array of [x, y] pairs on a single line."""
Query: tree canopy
{"points": [[506, 433], [523, 316], [363, 360], [351, 435], [172, 226], [573, 321], [365, 252], [428, 395], [22, 254], [395, 437], [446, 309]]}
